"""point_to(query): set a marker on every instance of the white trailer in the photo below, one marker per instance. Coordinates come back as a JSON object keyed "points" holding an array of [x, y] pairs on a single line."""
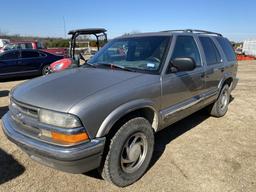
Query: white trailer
{"points": [[249, 47]]}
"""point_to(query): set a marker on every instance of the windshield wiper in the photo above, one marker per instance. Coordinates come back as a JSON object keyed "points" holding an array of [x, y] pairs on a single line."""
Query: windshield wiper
{"points": [[113, 66], [89, 64]]}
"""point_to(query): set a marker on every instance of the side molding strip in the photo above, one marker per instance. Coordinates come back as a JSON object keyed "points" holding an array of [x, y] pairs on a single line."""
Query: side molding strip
{"points": [[186, 104]]}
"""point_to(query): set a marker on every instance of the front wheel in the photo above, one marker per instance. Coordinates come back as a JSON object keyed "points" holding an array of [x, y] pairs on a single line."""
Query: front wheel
{"points": [[130, 152]]}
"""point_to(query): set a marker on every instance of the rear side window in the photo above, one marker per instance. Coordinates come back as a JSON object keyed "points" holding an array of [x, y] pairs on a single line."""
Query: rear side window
{"points": [[10, 55], [227, 48], [29, 54], [186, 47], [26, 46], [212, 54], [40, 45]]}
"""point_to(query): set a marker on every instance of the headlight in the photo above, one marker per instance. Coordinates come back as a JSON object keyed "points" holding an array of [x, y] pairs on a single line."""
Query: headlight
{"points": [[58, 67], [59, 119]]}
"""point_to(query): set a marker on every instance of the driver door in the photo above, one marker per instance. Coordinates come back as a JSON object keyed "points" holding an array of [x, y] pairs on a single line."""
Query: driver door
{"points": [[181, 89]]}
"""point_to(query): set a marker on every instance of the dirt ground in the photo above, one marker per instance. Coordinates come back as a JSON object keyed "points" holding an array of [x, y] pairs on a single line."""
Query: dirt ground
{"points": [[199, 153]]}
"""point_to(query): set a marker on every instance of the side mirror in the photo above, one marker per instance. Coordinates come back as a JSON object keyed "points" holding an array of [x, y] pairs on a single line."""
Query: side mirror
{"points": [[183, 64]]}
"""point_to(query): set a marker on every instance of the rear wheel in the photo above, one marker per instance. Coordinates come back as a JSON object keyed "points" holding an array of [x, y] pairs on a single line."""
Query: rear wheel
{"points": [[46, 70], [130, 152], [220, 107]]}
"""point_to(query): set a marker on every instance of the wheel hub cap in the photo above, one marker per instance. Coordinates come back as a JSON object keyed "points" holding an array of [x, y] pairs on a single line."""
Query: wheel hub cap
{"points": [[224, 99], [134, 153]]}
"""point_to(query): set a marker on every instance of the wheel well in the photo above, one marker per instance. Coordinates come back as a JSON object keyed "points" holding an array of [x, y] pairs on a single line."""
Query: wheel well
{"points": [[228, 81], [145, 112]]}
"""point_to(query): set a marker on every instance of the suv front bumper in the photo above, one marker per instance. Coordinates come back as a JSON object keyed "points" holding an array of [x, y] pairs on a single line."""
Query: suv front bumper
{"points": [[75, 159]]}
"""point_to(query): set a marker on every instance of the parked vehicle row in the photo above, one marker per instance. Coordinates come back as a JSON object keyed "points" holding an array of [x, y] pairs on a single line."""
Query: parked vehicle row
{"points": [[41, 60], [33, 45], [104, 114], [25, 62]]}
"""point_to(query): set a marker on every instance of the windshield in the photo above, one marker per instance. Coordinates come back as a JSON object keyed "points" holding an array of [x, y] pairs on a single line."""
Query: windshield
{"points": [[137, 53]]}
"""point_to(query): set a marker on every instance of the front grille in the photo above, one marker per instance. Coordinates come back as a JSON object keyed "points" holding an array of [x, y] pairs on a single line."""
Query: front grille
{"points": [[16, 108], [25, 117]]}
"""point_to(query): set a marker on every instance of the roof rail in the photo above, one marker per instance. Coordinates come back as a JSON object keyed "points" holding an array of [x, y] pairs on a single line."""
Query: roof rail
{"points": [[194, 31]]}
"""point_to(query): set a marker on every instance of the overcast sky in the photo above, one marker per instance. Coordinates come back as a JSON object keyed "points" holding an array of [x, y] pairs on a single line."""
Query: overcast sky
{"points": [[233, 18]]}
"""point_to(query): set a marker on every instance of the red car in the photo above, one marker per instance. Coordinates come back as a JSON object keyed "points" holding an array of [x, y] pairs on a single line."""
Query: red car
{"points": [[34, 45]]}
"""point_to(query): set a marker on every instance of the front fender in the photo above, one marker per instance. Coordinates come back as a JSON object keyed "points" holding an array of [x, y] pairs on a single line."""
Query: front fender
{"points": [[124, 109]]}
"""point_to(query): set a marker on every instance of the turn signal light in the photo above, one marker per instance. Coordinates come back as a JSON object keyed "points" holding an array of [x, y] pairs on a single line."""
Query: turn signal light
{"points": [[69, 138]]}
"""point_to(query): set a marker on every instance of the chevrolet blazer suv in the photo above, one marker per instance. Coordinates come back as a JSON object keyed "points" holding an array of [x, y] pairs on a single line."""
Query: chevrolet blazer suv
{"points": [[104, 114]]}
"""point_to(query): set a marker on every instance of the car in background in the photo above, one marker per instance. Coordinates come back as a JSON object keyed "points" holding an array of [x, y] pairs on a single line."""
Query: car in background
{"points": [[39, 45], [28, 44], [25, 62], [8, 47], [34, 45], [3, 42]]}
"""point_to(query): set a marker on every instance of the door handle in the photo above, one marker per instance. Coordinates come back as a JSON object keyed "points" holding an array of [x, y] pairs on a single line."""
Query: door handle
{"points": [[215, 69], [222, 69], [202, 75]]}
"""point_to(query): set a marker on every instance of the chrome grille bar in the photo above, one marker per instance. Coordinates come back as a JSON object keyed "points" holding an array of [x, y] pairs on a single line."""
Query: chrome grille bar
{"points": [[24, 109]]}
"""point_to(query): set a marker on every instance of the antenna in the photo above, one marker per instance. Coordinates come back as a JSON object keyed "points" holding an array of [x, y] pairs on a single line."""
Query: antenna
{"points": [[64, 25]]}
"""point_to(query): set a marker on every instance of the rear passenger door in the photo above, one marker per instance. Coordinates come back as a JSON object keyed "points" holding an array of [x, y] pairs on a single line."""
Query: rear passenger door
{"points": [[214, 67], [31, 60], [229, 56]]}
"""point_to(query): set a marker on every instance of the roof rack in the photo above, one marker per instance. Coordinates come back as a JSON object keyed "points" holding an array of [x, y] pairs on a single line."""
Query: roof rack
{"points": [[194, 31]]}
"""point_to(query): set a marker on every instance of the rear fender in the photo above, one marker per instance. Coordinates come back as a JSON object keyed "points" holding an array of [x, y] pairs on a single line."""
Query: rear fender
{"points": [[224, 78]]}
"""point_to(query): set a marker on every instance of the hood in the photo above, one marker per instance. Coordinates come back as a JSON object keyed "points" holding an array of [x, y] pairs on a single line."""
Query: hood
{"points": [[60, 91]]}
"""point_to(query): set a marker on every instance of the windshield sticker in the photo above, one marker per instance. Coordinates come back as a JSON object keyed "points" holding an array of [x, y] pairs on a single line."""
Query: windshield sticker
{"points": [[151, 65]]}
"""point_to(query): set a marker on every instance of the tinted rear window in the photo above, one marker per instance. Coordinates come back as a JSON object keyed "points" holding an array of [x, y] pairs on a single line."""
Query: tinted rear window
{"points": [[25, 45], [211, 52], [29, 54], [227, 48]]}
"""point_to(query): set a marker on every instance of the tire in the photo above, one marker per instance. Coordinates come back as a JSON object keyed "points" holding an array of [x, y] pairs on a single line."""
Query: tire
{"points": [[46, 70], [220, 107], [130, 153]]}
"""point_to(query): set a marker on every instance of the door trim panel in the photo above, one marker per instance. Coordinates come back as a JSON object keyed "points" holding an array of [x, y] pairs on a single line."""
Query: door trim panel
{"points": [[165, 113]]}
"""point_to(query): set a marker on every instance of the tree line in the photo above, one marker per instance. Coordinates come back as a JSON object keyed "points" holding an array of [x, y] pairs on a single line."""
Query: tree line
{"points": [[49, 42]]}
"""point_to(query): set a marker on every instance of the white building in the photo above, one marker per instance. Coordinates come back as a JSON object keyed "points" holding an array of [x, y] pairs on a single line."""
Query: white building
{"points": [[249, 47]]}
